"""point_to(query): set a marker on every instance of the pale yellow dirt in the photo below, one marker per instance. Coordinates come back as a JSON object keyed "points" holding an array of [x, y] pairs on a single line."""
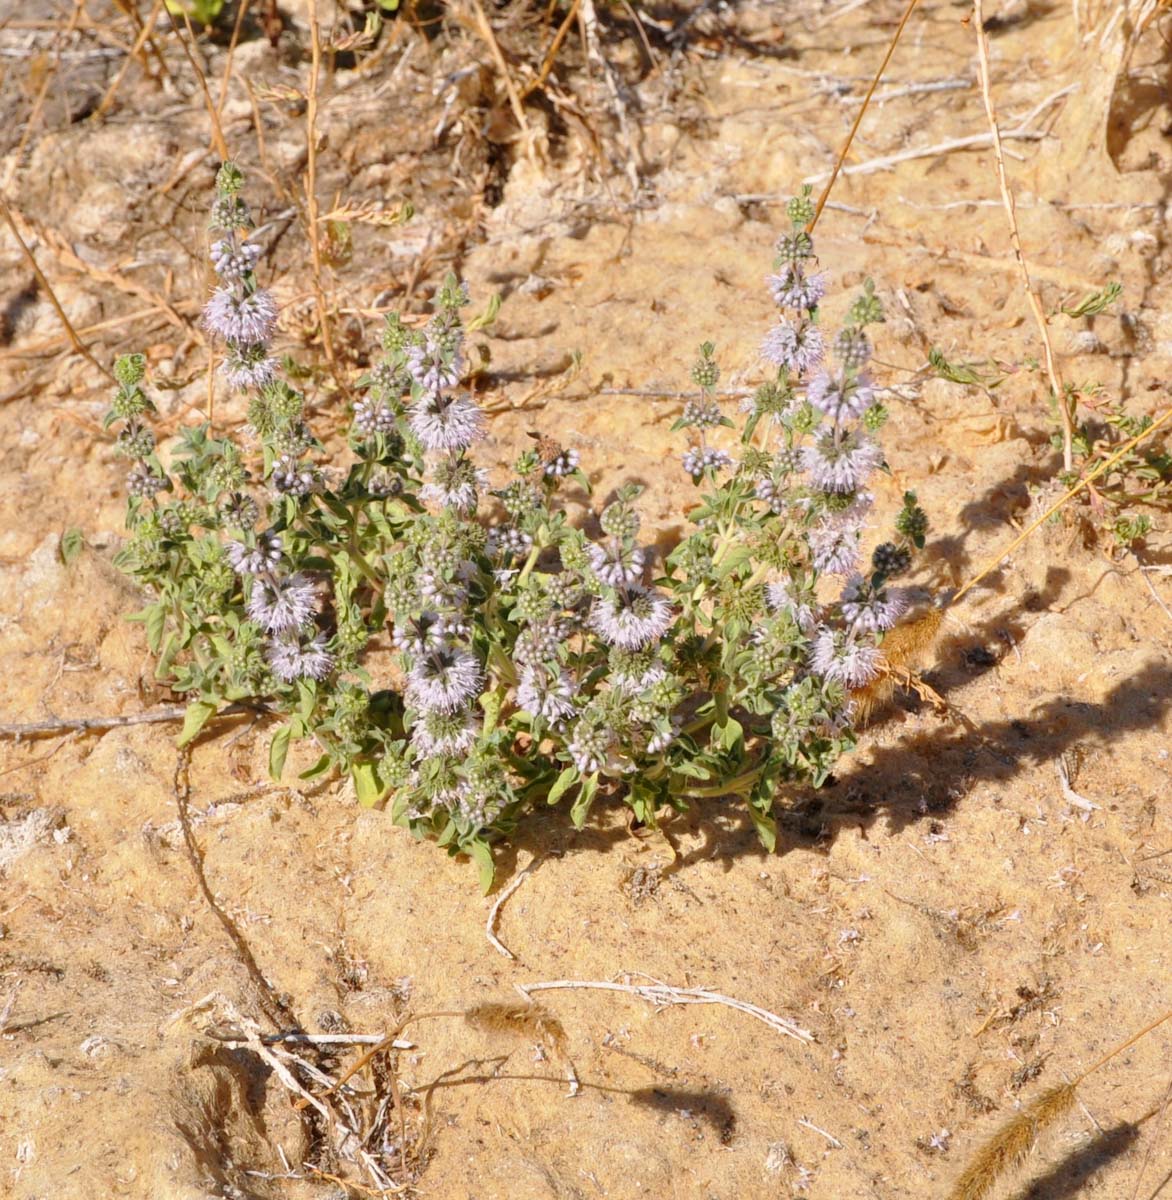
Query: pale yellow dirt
{"points": [[955, 933]]}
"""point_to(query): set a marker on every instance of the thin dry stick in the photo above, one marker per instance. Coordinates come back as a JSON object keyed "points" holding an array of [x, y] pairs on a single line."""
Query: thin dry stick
{"points": [[495, 911], [53, 343], [1056, 385], [494, 48], [218, 143], [30, 126], [850, 137], [662, 995], [228, 60], [144, 34], [310, 185], [78, 345], [40, 729], [1083, 483], [552, 52], [975, 141]]}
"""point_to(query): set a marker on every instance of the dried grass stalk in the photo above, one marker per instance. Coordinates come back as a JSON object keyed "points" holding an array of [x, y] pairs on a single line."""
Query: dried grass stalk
{"points": [[1009, 1147], [905, 649]]}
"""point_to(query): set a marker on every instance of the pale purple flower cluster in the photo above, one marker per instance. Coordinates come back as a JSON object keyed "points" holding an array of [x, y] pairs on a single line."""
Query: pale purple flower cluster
{"points": [[444, 680], [265, 556], [588, 747], [446, 423], [796, 348], [373, 416], [850, 658], [631, 617], [441, 734], [793, 288], [704, 458], [841, 461], [564, 463], [434, 365], [241, 314], [841, 398], [233, 261], [547, 695], [875, 609], [291, 657], [282, 605], [783, 597], [615, 562]]}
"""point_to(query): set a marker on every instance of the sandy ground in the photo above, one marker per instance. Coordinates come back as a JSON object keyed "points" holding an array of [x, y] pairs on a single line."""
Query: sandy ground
{"points": [[951, 927]]}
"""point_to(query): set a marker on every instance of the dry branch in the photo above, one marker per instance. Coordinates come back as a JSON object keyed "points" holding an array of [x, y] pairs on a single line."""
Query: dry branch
{"points": [[663, 996], [1056, 385]]}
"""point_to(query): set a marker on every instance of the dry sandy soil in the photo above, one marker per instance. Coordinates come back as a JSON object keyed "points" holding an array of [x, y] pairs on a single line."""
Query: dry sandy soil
{"points": [[953, 928]]}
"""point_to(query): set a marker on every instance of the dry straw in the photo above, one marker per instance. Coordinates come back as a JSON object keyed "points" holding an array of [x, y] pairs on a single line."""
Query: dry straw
{"points": [[1010, 1146]]}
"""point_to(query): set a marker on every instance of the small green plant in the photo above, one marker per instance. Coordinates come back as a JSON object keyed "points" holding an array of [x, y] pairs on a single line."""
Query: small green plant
{"points": [[199, 12], [1140, 479], [465, 666]]}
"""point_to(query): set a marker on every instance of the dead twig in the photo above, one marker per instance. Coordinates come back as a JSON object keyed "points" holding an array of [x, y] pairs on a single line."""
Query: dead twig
{"points": [[1068, 793], [663, 996], [1007, 198], [78, 345], [270, 1003], [588, 18], [309, 183], [494, 48], [219, 145], [59, 725], [552, 53], [976, 141], [495, 911], [228, 58], [144, 33], [30, 126], [850, 137]]}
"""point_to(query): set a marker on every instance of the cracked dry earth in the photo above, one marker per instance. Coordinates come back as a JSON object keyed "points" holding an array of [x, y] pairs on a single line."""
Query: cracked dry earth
{"points": [[951, 927]]}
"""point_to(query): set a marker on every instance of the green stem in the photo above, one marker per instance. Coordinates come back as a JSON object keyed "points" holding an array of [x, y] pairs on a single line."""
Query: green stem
{"points": [[530, 562], [738, 785]]}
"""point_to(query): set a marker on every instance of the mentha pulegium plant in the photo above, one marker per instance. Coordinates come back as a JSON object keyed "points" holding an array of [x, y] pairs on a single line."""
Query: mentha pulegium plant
{"points": [[467, 655]]}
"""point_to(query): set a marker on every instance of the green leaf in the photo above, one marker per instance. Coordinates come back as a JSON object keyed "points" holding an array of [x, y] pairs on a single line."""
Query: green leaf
{"points": [[562, 784], [72, 544], [1095, 302], [731, 732], [199, 712], [369, 788], [492, 703], [486, 318], [581, 807], [765, 826], [201, 12], [319, 768], [153, 617], [155, 624], [481, 855], [279, 751]]}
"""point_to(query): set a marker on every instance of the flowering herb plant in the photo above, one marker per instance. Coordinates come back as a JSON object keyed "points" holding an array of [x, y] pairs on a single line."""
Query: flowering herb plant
{"points": [[465, 666]]}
